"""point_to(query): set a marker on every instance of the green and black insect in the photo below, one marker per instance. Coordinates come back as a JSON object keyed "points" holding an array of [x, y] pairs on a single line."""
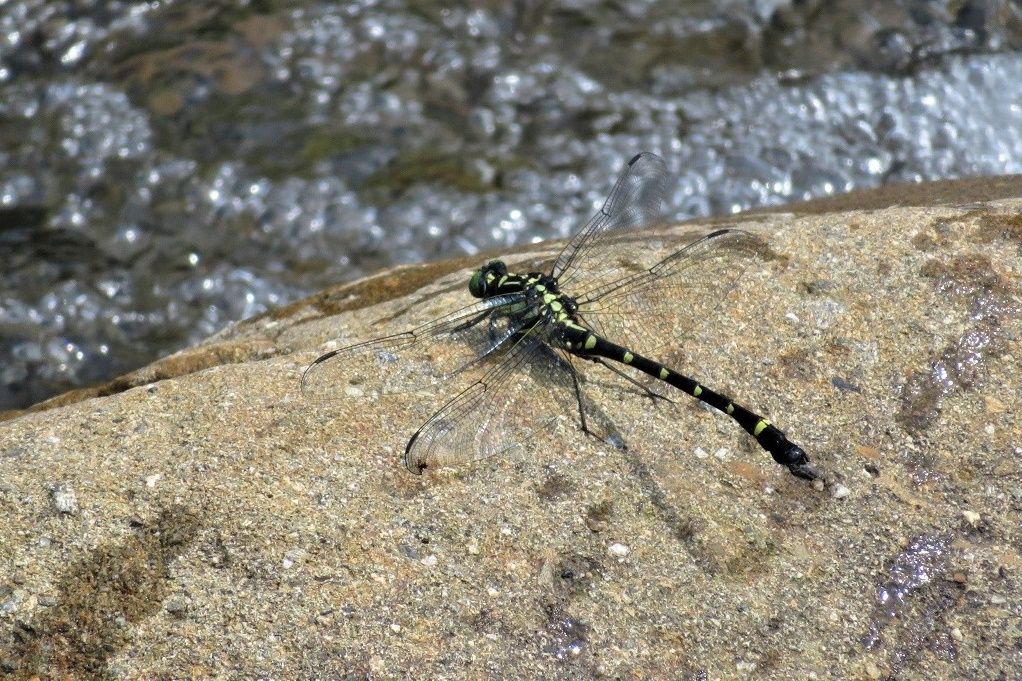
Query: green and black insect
{"points": [[525, 336]]}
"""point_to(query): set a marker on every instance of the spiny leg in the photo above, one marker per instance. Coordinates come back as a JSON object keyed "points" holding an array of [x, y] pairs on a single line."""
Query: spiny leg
{"points": [[578, 397], [650, 393], [613, 437], [472, 321]]}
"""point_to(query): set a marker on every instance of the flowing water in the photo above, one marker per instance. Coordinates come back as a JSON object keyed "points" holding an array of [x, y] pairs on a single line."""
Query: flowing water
{"points": [[168, 167]]}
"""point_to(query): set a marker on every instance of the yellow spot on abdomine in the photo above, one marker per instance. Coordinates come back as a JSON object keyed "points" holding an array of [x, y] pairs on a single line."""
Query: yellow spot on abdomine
{"points": [[590, 342], [664, 373], [698, 391], [730, 409], [760, 427], [627, 359]]}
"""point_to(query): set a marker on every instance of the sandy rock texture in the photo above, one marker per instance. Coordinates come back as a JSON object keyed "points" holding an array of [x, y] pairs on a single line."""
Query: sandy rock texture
{"points": [[201, 519]]}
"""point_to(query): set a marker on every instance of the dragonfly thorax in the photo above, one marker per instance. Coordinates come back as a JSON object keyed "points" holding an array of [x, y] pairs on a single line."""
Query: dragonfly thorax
{"points": [[550, 304]]}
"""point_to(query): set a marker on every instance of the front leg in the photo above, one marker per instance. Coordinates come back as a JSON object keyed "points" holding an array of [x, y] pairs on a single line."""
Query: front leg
{"points": [[469, 323]]}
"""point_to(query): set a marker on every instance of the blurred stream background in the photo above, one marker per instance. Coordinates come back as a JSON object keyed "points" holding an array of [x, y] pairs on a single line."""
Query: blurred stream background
{"points": [[169, 167]]}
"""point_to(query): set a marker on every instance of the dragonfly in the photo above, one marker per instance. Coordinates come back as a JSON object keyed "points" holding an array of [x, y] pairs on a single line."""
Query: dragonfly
{"points": [[526, 336]]}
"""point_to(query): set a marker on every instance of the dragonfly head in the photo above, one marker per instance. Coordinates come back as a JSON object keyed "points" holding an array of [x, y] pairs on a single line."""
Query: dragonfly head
{"points": [[484, 281]]}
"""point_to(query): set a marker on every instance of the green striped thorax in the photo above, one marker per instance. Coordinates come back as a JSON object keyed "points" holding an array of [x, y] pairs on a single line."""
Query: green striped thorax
{"points": [[542, 300]]}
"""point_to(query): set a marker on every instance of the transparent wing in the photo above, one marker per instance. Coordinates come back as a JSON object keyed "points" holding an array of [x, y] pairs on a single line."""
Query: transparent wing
{"points": [[404, 362], [634, 202], [488, 417], [651, 308]]}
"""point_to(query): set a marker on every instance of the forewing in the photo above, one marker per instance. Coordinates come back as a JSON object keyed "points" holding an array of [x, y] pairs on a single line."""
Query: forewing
{"points": [[649, 309], [635, 202], [405, 362]]}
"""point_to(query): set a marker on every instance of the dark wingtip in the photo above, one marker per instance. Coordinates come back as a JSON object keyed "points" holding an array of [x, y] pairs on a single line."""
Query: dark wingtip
{"points": [[303, 382], [414, 466], [635, 158]]}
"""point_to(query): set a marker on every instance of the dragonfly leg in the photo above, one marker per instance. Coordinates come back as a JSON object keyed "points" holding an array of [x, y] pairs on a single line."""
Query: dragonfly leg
{"points": [[469, 323], [613, 437], [578, 398], [651, 394]]}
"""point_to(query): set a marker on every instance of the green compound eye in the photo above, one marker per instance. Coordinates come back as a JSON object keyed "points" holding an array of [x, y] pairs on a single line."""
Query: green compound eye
{"points": [[486, 280], [475, 284]]}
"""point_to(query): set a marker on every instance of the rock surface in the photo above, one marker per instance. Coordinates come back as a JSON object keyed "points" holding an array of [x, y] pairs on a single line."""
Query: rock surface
{"points": [[200, 519]]}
